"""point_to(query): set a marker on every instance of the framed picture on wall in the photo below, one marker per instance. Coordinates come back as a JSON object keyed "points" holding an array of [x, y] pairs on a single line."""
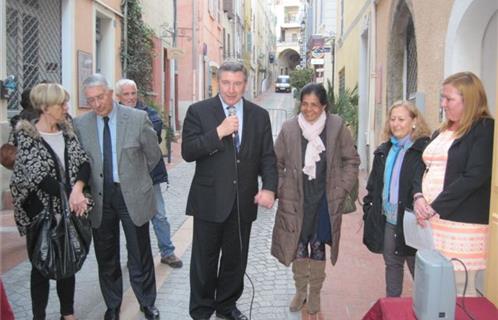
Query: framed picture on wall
{"points": [[85, 69]]}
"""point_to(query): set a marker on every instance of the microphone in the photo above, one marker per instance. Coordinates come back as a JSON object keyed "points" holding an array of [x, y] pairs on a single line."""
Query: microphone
{"points": [[235, 135], [232, 112]]}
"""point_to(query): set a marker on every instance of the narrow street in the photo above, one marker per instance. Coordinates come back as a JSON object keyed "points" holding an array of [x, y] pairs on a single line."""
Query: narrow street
{"points": [[281, 107]]}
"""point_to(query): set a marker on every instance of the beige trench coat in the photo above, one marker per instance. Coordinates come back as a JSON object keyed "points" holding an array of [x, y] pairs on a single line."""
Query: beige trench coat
{"points": [[342, 171]]}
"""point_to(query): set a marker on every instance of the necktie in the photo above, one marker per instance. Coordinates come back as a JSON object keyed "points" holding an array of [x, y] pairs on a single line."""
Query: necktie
{"points": [[108, 179], [236, 141]]}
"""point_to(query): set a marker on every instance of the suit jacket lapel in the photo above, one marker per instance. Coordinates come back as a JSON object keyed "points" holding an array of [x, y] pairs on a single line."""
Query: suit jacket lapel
{"points": [[121, 123], [219, 114], [95, 143], [247, 111]]}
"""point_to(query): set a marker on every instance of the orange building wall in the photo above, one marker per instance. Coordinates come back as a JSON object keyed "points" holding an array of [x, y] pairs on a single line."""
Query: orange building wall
{"points": [[212, 35], [184, 41], [157, 72], [85, 40]]}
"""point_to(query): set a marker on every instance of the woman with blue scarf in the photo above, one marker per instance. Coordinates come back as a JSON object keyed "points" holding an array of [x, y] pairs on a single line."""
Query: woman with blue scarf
{"points": [[390, 190]]}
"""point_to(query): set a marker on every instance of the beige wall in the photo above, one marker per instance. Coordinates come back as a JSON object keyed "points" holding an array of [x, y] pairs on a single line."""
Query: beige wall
{"points": [[158, 14], [430, 21]]}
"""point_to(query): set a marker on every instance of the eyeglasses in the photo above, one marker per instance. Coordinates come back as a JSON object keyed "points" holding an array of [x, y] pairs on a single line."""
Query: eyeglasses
{"points": [[93, 100]]}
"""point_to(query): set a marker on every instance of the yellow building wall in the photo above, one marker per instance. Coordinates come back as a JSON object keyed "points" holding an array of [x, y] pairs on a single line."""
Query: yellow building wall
{"points": [[347, 58], [347, 51], [491, 288]]}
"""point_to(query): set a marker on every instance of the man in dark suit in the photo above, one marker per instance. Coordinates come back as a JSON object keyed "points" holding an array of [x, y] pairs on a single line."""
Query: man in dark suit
{"points": [[231, 141], [123, 149]]}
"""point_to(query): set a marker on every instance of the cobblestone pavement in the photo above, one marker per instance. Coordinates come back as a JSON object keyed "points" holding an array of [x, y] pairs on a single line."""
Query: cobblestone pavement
{"points": [[88, 299], [273, 282]]}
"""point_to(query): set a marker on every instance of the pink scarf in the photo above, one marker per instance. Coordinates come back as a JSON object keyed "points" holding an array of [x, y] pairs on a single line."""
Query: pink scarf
{"points": [[315, 146]]}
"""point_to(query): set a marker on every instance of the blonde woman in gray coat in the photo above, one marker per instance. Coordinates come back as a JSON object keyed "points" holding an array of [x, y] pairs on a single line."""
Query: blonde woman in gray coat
{"points": [[317, 166]]}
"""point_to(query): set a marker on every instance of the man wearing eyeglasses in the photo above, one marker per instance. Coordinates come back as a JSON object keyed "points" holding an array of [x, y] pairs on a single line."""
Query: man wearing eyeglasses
{"points": [[123, 149]]}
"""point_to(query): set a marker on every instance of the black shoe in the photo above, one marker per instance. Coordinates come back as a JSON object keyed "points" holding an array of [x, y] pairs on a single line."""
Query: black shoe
{"points": [[234, 314], [111, 314], [151, 313], [173, 261]]}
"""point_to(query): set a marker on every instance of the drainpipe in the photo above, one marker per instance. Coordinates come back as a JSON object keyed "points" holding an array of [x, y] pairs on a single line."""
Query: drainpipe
{"points": [[194, 51], [372, 85], [125, 38]]}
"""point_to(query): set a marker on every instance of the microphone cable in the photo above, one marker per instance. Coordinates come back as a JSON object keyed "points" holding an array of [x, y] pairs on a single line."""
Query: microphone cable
{"points": [[464, 289], [236, 159]]}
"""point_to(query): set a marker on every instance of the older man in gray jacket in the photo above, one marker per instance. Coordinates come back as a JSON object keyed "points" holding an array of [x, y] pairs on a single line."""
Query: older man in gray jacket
{"points": [[123, 149]]}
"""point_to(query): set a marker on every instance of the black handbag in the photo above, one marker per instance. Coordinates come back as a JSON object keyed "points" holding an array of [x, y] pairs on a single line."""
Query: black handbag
{"points": [[59, 243]]}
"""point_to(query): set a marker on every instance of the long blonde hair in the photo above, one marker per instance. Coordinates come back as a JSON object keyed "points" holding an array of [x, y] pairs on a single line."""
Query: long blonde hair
{"points": [[474, 100], [421, 129]]}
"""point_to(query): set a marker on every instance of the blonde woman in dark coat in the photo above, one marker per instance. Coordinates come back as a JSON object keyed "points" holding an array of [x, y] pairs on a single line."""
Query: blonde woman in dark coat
{"points": [[34, 184], [317, 166], [390, 188]]}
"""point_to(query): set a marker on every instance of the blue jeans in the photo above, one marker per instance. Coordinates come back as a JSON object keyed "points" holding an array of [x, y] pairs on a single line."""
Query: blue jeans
{"points": [[161, 224]]}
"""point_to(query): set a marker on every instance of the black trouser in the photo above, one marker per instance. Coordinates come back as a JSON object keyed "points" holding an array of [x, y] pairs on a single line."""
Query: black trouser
{"points": [[140, 262], [213, 289], [39, 294]]}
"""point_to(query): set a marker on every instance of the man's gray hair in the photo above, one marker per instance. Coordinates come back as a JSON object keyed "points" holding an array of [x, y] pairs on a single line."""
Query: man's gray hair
{"points": [[232, 65], [118, 88], [95, 80]]}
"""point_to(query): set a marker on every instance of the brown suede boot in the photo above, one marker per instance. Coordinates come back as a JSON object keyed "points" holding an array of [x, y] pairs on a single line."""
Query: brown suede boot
{"points": [[317, 276], [301, 271]]}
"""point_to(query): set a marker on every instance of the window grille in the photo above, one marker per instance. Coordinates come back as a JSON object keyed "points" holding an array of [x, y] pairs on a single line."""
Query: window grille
{"points": [[33, 44], [411, 61]]}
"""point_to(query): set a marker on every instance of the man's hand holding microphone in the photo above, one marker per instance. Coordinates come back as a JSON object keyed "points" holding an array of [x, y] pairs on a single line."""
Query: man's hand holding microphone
{"points": [[230, 125]]}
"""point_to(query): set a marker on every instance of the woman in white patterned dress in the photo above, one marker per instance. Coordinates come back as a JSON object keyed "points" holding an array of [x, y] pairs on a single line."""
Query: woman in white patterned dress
{"points": [[455, 188]]}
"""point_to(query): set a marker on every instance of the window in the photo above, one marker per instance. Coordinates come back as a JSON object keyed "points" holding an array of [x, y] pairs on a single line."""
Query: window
{"points": [[291, 14], [411, 61], [98, 45], [104, 43], [224, 44]]}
